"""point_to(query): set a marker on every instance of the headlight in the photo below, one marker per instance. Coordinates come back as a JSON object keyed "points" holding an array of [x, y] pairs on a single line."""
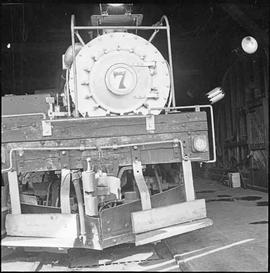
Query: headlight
{"points": [[200, 143]]}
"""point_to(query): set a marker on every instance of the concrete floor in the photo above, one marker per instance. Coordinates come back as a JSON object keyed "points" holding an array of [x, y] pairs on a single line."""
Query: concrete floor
{"points": [[233, 243], [238, 241]]}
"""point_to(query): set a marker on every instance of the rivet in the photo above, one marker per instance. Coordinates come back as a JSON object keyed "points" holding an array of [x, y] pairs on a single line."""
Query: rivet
{"points": [[63, 152], [135, 147], [108, 229], [126, 224], [108, 222], [114, 240], [131, 50]]}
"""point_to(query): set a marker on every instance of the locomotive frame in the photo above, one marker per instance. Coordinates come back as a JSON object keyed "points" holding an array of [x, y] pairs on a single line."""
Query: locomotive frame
{"points": [[32, 142]]}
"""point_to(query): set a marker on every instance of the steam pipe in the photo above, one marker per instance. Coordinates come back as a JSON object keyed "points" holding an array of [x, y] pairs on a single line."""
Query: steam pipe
{"points": [[76, 183], [165, 18], [86, 148], [74, 65]]}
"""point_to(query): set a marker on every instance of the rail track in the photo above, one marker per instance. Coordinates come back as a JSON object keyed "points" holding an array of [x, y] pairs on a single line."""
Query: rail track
{"points": [[127, 257]]}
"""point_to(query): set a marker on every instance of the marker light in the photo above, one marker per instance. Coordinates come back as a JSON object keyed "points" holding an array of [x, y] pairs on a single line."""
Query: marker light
{"points": [[249, 45], [8, 45], [200, 143]]}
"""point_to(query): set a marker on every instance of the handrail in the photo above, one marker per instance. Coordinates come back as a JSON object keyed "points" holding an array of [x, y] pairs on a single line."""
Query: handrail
{"points": [[21, 115], [165, 18], [74, 65]]}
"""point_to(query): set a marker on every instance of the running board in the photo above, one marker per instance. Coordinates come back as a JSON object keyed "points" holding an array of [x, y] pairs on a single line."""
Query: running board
{"points": [[166, 232]]}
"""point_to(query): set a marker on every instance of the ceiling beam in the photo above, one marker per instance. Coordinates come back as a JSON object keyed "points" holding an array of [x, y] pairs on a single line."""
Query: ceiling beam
{"points": [[243, 20]]}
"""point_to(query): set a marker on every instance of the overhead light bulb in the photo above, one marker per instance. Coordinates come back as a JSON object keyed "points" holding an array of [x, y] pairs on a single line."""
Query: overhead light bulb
{"points": [[249, 44]]}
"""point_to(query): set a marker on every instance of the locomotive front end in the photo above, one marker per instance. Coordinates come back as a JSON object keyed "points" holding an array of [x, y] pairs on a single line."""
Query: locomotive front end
{"points": [[110, 163]]}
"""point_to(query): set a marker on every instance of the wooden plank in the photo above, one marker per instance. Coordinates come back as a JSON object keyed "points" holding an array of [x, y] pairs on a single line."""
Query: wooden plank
{"points": [[51, 225], [188, 180], [163, 233], [150, 154], [143, 221], [65, 191], [30, 129], [14, 192]]}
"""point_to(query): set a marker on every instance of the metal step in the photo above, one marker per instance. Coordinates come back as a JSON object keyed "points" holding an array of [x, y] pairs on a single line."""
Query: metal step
{"points": [[163, 233], [12, 241]]}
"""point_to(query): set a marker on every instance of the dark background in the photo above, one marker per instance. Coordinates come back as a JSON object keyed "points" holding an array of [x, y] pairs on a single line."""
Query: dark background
{"points": [[204, 35]]}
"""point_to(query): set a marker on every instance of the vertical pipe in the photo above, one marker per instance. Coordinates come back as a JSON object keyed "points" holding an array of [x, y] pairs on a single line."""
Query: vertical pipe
{"points": [[67, 93], [76, 183], [74, 65], [170, 58]]}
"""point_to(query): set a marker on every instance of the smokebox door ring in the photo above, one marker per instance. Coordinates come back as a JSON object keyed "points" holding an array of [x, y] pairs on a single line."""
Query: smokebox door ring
{"points": [[121, 79]]}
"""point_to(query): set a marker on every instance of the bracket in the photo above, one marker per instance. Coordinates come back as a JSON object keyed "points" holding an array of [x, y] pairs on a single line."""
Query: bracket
{"points": [[64, 159], [141, 184], [135, 153], [150, 123], [46, 128], [176, 150]]}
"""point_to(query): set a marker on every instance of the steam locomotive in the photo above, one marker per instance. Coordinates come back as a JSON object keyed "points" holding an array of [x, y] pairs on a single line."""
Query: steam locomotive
{"points": [[107, 161]]}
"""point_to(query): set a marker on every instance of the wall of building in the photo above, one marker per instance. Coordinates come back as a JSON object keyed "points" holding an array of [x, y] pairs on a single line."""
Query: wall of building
{"points": [[242, 122]]}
